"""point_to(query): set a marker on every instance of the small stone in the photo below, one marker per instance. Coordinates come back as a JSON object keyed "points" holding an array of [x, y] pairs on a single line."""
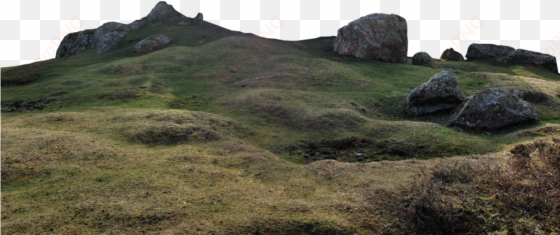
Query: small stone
{"points": [[421, 58], [452, 55]]}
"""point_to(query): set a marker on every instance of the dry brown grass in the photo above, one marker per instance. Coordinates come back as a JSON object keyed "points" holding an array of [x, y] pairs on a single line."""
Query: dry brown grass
{"points": [[472, 197], [91, 178]]}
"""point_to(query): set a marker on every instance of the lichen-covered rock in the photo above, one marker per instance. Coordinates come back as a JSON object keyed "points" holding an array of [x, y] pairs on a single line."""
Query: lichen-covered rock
{"points": [[442, 92], [377, 36], [488, 51], [493, 108], [136, 24], [421, 58], [108, 35], [73, 43], [537, 59], [151, 44], [452, 55]]}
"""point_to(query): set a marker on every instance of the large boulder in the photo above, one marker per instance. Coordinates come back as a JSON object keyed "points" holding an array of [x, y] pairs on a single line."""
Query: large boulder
{"points": [[442, 92], [151, 44], [421, 58], [544, 61], [108, 35], [488, 50], [493, 108], [74, 43], [377, 36], [452, 55]]}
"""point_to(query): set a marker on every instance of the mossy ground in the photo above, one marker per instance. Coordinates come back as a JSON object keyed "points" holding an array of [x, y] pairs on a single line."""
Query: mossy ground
{"points": [[173, 142]]}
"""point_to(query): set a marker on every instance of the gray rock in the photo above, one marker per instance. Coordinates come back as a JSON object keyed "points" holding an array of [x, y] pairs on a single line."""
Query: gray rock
{"points": [[532, 95], [108, 35], [421, 58], [377, 36], [73, 43], [519, 93], [151, 44], [136, 24], [452, 55], [199, 18], [488, 51], [493, 108], [442, 92], [537, 59], [163, 12]]}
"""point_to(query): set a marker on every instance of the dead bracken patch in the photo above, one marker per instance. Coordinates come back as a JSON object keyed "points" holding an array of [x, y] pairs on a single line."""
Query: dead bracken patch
{"points": [[472, 197]]}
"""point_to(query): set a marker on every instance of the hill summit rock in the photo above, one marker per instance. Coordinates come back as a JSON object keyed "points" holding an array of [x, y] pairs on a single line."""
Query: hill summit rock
{"points": [[376, 36], [107, 36]]}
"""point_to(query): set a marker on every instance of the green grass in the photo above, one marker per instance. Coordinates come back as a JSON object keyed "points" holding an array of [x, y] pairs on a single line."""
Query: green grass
{"points": [[235, 153]]}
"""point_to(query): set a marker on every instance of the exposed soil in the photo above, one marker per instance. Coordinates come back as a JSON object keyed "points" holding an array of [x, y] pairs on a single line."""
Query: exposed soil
{"points": [[356, 149], [31, 105]]}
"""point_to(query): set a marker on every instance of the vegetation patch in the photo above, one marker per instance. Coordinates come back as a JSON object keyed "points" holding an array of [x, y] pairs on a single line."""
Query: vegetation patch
{"points": [[38, 152], [122, 94], [476, 197], [357, 149], [161, 134]]}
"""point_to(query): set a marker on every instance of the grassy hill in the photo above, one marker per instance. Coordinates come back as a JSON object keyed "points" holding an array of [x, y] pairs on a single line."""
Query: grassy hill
{"points": [[172, 142]]}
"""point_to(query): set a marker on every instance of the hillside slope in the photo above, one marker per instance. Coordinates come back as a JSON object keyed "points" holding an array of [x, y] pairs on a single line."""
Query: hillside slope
{"points": [[171, 141]]}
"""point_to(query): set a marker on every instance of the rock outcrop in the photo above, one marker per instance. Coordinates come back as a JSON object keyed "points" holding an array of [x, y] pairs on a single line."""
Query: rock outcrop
{"points": [[442, 92], [137, 24], [493, 108], [452, 55], [421, 58], [163, 12], [377, 36], [151, 44], [108, 35], [198, 18], [540, 60], [74, 43], [488, 51]]}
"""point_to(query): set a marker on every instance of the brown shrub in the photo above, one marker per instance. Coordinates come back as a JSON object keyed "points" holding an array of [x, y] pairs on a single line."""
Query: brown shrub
{"points": [[454, 198]]}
